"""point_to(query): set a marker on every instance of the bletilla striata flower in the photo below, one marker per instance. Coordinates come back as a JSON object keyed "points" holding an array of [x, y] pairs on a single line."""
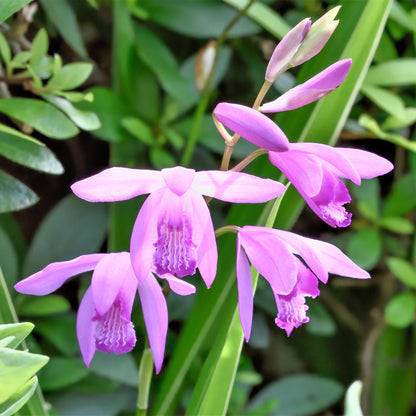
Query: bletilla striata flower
{"points": [[275, 254], [314, 169], [104, 314], [173, 231]]}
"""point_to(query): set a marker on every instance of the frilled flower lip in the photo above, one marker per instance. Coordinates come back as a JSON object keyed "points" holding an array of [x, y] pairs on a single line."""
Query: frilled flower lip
{"points": [[272, 252], [185, 187], [113, 281], [252, 126]]}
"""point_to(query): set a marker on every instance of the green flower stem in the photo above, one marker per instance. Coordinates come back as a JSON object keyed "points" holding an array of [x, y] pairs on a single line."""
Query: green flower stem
{"points": [[248, 159], [263, 91], [145, 378], [226, 229]]}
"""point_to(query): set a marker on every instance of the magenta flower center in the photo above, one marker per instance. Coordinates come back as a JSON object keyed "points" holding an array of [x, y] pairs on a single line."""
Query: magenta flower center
{"points": [[113, 332], [291, 312], [175, 252]]}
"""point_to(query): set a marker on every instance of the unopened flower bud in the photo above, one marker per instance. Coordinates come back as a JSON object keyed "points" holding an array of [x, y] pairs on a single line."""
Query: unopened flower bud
{"points": [[286, 50], [204, 63], [316, 38]]}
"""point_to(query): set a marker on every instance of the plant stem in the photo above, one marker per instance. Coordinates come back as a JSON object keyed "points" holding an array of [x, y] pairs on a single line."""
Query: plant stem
{"points": [[145, 378]]}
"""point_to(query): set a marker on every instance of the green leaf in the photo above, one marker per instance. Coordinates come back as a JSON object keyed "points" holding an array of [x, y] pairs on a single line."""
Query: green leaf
{"points": [[39, 48], [161, 158], [16, 367], [20, 60], [65, 21], [301, 394], [402, 198], [139, 129], [365, 247], [403, 270], [62, 372], [18, 332], [386, 100], [15, 402], [352, 399], [40, 115], [27, 151], [79, 226], [5, 51], [320, 321], [45, 305], [110, 109], [8, 7], [9, 260], [407, 118], [395, 73], [400, 15], [397, 225], [265, 16], [368, 196], [197, 18], [70, 76], [162, 62], [14, 194], [400, 311], [86, 120]]}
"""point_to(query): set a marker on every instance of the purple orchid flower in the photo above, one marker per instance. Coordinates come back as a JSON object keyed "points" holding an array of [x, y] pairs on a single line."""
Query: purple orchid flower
{"points": [[104, 314], [314, 169], [274, 253], [173, 231]]}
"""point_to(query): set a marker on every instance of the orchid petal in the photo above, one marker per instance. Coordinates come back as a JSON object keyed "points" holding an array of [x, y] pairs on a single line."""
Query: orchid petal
{"points": [[334, 156], [311, 90], [252, 125], [286, 49], [86, 327], [245, 290], [54, 275], [127, 291], [367, 164], [178, 179], [118, 184], [270, 257], [144, 235], [107, 279], [204, 237], [179, 286], [155, 315], [236, 186], [300, 168]]}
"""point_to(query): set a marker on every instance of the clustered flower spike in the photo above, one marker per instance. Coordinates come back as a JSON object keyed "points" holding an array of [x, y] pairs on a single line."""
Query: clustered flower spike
{"points": [[173, 234]]}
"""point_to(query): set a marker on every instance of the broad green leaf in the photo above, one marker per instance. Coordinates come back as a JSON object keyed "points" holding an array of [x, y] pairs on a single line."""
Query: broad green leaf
{"points": [[197, 18], [352, 399], [40, 115], [14, 194], [15, 402], [9, 260], [79, 226], [139, 129], [8, 7], [393, 123], [62, 372], [28, 152], [5, 52], [161, 158], [63, 17], [368, 198], [162, 62], [400, 15], [402, 198], [39, 48], [110, 109], [20, 60], [320, 321], [16, 331], [400, 311], [386, 100], [403, 270], [397, 225], [86, 120], [398, 72], [386, 50], [265, 16], [45, 305], [70, 76], [300, 394], [365, 247], [16, 367]]}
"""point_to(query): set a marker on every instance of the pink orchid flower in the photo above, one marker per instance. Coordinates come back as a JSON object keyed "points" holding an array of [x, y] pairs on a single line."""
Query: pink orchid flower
{"points": [[314, 169], [104, 314], [173, 232], [274, 254]]}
